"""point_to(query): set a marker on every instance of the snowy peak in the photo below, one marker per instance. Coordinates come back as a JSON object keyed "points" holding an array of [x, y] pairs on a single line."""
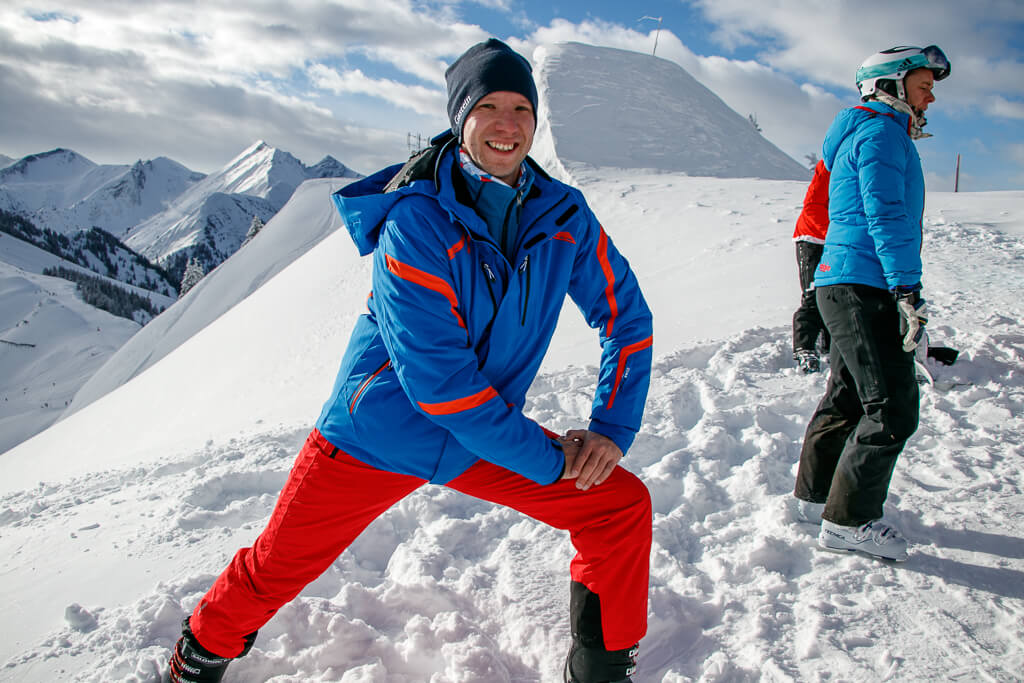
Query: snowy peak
{"points": [[258, 171], [329, 167], [141, 191], [211, 218], [604, 107], [55, 165], [56, 179]]}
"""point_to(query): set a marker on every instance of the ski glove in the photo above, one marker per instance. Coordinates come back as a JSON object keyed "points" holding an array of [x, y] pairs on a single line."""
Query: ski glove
{"points": [[912, 317]]}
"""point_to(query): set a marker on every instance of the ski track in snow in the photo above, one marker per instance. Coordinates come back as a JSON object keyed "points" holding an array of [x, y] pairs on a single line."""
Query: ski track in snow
{"points": [[446, 588]]}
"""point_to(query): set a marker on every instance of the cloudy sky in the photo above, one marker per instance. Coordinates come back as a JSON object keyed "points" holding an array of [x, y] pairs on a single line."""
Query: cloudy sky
{"points": [[199, 81]]}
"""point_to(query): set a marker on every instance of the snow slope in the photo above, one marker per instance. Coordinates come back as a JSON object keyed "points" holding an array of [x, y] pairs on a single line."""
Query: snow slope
{"points": [[652, 115], [306, 220], [177, 468], [50, 340]]}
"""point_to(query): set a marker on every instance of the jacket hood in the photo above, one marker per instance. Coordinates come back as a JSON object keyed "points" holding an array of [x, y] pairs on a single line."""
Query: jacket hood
{"points": [[363, 206], [848, 120]]}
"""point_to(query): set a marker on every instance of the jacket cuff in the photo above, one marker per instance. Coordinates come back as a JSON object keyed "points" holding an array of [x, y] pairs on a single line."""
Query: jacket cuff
{"points": [[561, 471], [622, 436], [905, 289]]}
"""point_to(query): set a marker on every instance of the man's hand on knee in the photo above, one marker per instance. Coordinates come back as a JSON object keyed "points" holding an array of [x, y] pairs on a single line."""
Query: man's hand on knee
{"points": [[593, 462]]}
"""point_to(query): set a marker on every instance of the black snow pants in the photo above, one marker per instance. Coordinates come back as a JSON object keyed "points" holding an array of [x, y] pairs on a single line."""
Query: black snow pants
{"points": [[807, 323], [869, 410]]}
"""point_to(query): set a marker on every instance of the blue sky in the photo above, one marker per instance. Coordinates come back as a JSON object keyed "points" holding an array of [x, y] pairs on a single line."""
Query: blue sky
{"points": [[119, 80]]}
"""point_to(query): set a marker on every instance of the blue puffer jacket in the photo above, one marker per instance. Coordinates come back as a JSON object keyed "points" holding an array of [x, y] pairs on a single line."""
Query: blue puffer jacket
{"points": [[435, 376], [876, 200]]}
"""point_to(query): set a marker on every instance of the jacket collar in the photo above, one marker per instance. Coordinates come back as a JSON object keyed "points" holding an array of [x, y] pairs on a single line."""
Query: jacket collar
{"points": [[364, 204]]}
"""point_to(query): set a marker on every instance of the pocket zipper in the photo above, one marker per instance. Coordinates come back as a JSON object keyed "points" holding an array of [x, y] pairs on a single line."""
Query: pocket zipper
{"points": [[366, 383]]}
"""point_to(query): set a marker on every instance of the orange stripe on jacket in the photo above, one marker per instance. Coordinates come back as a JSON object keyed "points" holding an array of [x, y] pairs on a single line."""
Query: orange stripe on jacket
{"points": [[459, 404], [609, 276], [456, 248], [621, 369], [432, 282]]}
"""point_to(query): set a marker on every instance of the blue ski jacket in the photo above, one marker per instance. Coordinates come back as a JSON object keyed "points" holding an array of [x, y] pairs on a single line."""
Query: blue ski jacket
{"points": [[435, 376], [876, 200]]}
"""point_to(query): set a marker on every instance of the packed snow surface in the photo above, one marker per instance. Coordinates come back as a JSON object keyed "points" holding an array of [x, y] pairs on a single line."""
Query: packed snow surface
{"points": [[114, 521], [51, 341]]}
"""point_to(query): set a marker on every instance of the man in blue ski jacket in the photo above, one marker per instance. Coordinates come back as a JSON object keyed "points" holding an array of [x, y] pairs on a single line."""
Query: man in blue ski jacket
{"points": [[474, 249], [868, 286]]}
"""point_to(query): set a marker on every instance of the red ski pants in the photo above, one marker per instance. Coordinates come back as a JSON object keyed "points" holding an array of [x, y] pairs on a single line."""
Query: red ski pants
{"points": [[327, 502]]}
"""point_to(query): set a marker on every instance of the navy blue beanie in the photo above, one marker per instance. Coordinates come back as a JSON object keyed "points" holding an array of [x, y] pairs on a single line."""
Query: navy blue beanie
{"points": [[485, 68]]}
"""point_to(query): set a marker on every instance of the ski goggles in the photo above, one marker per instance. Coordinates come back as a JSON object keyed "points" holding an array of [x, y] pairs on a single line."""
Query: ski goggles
{"points": [[937, 61]]}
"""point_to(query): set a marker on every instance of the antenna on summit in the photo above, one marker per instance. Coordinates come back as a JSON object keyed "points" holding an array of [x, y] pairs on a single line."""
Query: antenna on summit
{"points": [[658, 31]]}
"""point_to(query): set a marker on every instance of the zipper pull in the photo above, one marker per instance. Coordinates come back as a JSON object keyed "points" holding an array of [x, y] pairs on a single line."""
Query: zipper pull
{"points": [[522, 266], [489, 273]]}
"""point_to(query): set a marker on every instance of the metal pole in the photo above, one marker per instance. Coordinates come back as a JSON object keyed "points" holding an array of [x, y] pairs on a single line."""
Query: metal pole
{"points": [[657, 32], [956, 179]]}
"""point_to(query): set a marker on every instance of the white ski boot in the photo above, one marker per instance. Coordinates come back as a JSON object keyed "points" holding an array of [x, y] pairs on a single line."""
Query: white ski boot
{"points": [[875, 538]]}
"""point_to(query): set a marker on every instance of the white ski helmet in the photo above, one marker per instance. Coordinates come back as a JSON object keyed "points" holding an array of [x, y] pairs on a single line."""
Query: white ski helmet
{"points": [[885, 70]]}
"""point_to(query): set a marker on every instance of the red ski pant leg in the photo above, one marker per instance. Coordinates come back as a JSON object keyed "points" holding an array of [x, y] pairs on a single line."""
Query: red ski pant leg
{"points": [[325, 504], [610, 527]]}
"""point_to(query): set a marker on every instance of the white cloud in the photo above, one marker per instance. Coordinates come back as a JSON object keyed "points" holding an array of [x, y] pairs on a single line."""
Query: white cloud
{"points": [[103, 77], [1002, 107], [1015, 152], [427, 101], [373, 69], [825, 40]]}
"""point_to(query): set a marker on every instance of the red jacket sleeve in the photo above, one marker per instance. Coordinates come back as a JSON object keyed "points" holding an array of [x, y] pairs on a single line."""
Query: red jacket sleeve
{"points": [[812, 225]]}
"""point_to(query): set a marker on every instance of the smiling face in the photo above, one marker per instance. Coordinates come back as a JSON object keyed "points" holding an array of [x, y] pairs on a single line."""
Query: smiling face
{"points": [[918, 85], [498, 134]]}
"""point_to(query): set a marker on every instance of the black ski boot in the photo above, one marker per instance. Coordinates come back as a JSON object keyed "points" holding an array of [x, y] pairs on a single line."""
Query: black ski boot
{"points": [[193, 663], [588, 661]]}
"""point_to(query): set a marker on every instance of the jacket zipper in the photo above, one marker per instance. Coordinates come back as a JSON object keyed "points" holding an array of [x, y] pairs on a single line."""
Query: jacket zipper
{"points": [[366, 383], [525, 267], [490, 278]]}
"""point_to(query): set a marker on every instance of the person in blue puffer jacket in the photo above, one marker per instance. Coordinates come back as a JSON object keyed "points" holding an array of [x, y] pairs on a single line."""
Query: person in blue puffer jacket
{"points": [[474, 250], [868, 285]]}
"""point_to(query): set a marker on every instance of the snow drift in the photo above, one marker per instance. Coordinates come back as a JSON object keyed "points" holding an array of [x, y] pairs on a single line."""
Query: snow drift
{"points": [[603, 107]]}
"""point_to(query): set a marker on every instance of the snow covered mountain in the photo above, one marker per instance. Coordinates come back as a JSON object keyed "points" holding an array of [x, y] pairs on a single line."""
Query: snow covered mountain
{"points": [[651, 114], [5, 160], [142, 191], [51, 341], [56, 179], [209, 221], [302, 224], [78, 209], [50, 196], [94, 249]]}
